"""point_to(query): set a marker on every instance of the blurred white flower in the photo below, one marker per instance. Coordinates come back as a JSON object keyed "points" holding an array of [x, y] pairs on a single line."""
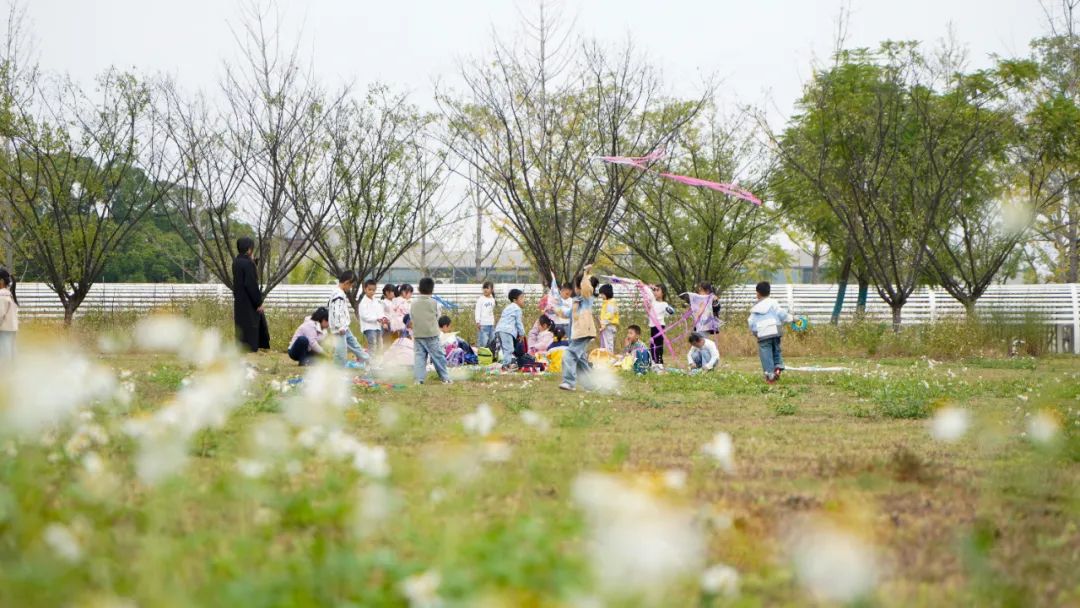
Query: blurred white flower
{"points": [[674, 479], [720, 579], [322, 399], [369, 460], [389, 417], [252, 469], [480, 422], [63, 542], [96, 477], [639, 544], [1043, 427], [496, 451], [86, 436], [535, 420], [832, 564], [603, 379], [721, 449], [33, 399], [276, 386], [159, 458], [270, 438], [376, 502], [422, 590], [949, 424], [164, 333], [1022, 397]]}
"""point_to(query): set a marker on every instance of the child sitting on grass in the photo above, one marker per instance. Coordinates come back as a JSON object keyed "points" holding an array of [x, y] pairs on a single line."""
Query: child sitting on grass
{"points": [[766, 318], [633, 340], [703, 353], [447, 335], [540, 336]]}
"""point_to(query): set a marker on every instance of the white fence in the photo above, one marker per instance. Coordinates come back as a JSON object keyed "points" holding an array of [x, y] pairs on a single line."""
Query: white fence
{"points": [[1056, 305]]}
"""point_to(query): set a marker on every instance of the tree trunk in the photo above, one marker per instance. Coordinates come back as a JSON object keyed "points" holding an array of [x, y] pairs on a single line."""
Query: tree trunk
{"points": [[815, 264], [969, 308], [69, 312], [1073, 272], [864, 290], [896, 308], [841, 291], [478, 255]]}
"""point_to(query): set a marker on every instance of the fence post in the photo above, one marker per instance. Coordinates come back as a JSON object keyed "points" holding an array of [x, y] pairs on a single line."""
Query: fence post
{"points": [[1076, 319], [932, 294], [790, 297]]}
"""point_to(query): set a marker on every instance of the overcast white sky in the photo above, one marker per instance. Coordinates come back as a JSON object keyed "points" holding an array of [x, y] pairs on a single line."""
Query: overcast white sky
{"points": [[762, 49]]}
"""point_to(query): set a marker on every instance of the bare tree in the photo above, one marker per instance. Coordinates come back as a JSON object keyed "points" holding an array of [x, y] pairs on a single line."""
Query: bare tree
{"points": [[260, 160], [78, 174], [18, 76], [686, 235], [532, 117], [384, 191]]}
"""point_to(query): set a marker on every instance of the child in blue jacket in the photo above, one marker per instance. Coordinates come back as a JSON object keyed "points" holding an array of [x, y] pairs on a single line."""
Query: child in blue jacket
{"points": [[511, 328], [766, 319]]}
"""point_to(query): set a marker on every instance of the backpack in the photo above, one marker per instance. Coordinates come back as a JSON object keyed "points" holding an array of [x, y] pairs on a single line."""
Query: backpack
{"points": [[484, 356], [642, 361], [456, 358]]}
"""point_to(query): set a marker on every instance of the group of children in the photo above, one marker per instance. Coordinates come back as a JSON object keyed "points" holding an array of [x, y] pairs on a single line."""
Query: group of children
{"points": [[564, 330]]}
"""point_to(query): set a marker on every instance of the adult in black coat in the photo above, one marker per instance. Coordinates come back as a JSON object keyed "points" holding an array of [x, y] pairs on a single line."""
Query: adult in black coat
{"points": [[251, 329]]}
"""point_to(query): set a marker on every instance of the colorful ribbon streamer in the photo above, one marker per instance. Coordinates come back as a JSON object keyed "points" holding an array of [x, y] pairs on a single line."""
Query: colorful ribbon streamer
{"points": [[644, 163]]}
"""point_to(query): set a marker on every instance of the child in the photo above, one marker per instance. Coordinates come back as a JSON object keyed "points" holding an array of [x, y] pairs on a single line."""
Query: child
{"points": [[510, 327], [765, 320], [704, 308], [341, 318], [400, 308], [582, 330], [446, 334], [657, 294], [372, 316], [9, 315], [540, 336], [387, 302], [485, 316], [423, 319], [558, 339], [633, 340], [609, 318], [560, 304], [305, 345], [703, 353]]}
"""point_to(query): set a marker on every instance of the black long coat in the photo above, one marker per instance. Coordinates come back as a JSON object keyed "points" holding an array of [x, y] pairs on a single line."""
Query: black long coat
{"points": [[251, 329]]}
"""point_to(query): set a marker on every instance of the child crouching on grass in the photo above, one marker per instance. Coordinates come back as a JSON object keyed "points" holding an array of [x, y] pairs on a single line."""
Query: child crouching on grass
{"points": [[766, 318], [703, 353]]}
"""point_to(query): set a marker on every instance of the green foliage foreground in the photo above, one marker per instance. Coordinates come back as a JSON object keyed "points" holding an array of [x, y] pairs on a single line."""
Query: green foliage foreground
{"points": [[862, 486]]}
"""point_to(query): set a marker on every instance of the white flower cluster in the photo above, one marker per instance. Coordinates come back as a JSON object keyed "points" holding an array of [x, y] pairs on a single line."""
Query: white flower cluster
{"points": [[639, 543], [36, 400]]}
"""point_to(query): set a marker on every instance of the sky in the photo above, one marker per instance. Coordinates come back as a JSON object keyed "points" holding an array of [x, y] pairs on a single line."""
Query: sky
{"points": [[761, 50]]}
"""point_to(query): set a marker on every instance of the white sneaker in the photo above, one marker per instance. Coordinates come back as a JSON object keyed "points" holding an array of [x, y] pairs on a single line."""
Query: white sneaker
{"points": [[566, 387], [447, 381]]}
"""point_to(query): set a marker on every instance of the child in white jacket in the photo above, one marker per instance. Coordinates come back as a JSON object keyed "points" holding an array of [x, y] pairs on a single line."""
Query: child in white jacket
{"points": [[766, 319], [703, 353], [484, 315], [372, 315], [9, 315], [341, 319]]}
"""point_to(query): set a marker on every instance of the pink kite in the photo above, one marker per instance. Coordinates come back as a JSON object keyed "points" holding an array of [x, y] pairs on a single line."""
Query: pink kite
{"points": [[644, 163]]}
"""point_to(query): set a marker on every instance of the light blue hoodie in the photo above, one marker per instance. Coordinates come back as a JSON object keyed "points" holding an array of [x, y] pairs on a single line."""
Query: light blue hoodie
{"points": [[766, 318], [510, 321]]}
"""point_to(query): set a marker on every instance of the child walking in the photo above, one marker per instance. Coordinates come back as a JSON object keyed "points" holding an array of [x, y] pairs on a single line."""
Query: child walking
{"points": [[9, 315], [765, 320], [657, 296], [485, 316], [582, 330], [372, 316], [424, 317], [609, 318], [341, 318], [510, 326]]}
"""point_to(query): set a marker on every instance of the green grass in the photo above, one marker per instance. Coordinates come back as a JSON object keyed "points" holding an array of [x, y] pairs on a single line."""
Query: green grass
{"points": [[989, 520]]}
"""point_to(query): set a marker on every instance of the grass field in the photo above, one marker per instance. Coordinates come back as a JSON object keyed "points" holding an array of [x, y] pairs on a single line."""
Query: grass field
{"points": [[168, 481]]}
